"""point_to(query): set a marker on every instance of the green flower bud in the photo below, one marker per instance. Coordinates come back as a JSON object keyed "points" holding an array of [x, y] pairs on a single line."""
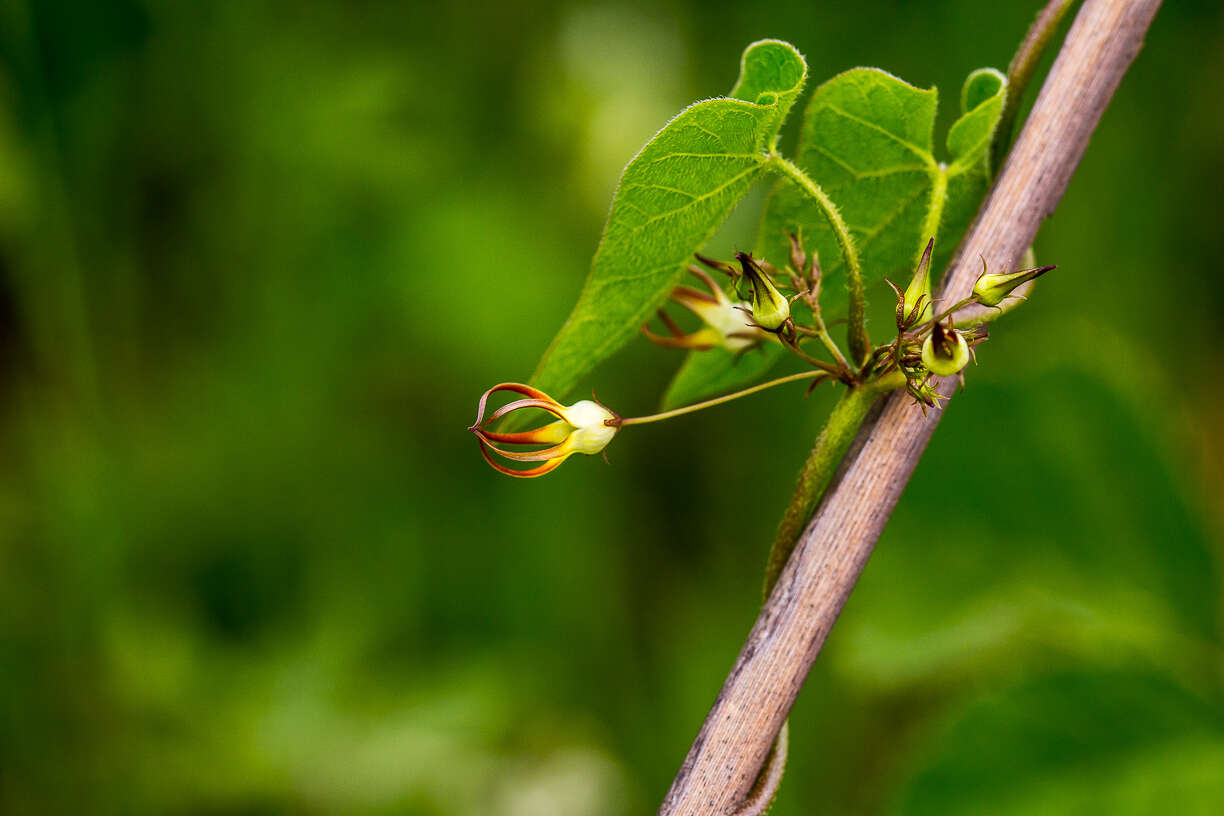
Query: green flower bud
{"points": [[918, 293], [945, 351], [991, 290], [770, 309]]}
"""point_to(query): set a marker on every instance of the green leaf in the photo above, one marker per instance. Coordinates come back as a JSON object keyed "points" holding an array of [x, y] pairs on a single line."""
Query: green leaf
{"points": [[868, 140], [672, 197], [970, 172], [983, 85]]}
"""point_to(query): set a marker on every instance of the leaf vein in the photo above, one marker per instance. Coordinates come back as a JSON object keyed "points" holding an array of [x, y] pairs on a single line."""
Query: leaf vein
{"points": [[918, 151], [696, 199], [678, 155], [870, 233], [663, 187], [866, 174]]}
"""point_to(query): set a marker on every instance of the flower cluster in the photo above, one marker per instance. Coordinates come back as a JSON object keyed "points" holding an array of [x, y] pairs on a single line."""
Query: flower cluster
{"points": [[928, 344]]}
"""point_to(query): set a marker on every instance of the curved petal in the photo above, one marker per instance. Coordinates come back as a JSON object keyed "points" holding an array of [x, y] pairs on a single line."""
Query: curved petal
{"points": [[551, 406], [530, 473], [553, 452], [700, 340], [545, 435], [686, 295], [518, 388], [715, 289]]}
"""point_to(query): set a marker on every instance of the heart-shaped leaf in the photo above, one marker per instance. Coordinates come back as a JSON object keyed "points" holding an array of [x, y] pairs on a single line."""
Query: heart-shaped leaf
{"points": [[867, 139], [672, 197]]}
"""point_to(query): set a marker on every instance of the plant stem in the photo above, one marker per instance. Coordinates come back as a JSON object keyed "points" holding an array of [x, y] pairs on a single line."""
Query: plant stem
{"points": [[1020, 72], [821, 331], [688, 409], [812, 298], [923, 329], [860, 343], [831, 345], [831, 445], [751, 707], [842, 373]]}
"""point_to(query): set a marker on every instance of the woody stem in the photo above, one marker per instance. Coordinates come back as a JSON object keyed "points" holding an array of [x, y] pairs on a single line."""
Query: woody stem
{"points": [[835, 438]]}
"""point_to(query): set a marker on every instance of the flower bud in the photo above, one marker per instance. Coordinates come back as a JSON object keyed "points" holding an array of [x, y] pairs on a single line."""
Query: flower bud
{"points": [[770, 309], [945, 351], [726, 325], [584, 427], [918, 293], [798, 258], [992, 289], [591, 433]]}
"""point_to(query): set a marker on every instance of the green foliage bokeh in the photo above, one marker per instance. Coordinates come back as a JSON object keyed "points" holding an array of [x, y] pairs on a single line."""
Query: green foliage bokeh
{"points": [[259, 259]]}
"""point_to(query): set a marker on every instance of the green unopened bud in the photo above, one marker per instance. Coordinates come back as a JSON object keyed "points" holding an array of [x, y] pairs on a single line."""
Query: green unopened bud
{"points": [[918, 293], [945, 351], [770, 309], [991, 290]]}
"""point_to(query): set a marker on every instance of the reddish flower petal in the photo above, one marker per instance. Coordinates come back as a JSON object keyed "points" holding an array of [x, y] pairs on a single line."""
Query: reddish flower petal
{"points": [[530, 473], [526, 456], [518, 388], [546, 435]]}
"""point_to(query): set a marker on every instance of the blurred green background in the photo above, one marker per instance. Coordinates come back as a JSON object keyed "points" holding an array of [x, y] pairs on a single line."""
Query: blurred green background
{"points": [[259, 259]]}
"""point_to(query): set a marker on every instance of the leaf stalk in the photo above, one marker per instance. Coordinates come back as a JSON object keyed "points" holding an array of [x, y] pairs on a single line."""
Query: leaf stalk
{"points": [[858, 340]]}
